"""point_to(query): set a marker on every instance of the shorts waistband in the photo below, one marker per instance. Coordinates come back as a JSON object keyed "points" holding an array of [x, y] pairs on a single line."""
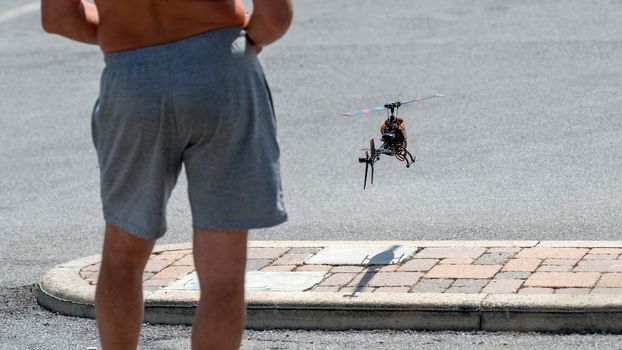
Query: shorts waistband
{"points": [[155, 53]]}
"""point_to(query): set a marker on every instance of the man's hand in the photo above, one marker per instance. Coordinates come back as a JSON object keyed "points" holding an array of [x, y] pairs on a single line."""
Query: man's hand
{"points": [[268, 22], [74, 19]]}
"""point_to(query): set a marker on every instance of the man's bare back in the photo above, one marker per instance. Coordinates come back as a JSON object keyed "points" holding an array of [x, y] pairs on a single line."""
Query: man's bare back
{"points": [[117, 25], [130, 24]]}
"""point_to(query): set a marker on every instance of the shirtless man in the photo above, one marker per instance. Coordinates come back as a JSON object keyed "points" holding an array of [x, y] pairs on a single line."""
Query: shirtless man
{"points": [[182, 85]]}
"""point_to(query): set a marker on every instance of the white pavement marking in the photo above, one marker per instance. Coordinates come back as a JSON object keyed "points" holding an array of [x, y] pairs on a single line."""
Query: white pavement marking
{"points": [[188, 282], [261, 281], [19, 11], [273, 281]]}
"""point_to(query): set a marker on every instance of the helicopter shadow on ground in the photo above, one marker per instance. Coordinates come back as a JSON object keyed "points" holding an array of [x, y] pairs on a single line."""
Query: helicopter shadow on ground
{"points": [[375, 264]]}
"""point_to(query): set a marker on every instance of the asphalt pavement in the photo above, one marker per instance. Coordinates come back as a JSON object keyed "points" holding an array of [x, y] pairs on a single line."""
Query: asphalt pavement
{"points": [[525, 145]]}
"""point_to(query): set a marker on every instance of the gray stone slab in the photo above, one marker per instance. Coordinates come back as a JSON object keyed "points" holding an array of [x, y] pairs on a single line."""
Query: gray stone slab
{"points": [[432, 285], [599, 266], [257, 264], [362, 255], [467, 285], [496, 258], [304, 250], [261, 281], [512, 275]]}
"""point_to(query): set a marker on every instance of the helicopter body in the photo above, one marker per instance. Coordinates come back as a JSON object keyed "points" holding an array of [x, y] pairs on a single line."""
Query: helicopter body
{"points": [[393, 136]]}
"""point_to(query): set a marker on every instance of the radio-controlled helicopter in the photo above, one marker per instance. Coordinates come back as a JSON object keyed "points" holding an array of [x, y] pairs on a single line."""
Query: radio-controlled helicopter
{"points": [[394, 138]]}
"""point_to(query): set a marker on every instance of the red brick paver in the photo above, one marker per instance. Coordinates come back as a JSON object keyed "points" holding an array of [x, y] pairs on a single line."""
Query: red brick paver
{"points": [[173, 254], [357, 290], [314, 268], [591, 256], [564, 262], [386, 279], [551, 268], [291, 259], [156, 265], [278, 268], [563, 279], [617, 251], [347, 268], [451, 252], [173, 272], [508, 270], [388, 268], [186, 260], [527, 265], [418, 265], [610, 280], [456, 261], [338, 279], [266, 253], [324, 289], [392, 290]]}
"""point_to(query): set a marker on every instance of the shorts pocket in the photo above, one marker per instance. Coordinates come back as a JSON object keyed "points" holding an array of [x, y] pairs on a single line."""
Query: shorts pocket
{"points": [[94, 128]]}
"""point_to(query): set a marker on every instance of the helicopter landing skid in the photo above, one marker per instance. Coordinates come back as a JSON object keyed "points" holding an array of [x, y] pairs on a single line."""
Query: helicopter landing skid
{"points": [[403, 155]]}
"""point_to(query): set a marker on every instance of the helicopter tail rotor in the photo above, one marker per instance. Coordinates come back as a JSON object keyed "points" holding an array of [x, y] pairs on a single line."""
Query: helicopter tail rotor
{"points": [[366, 160], [369, 161], [365, 180], [372, 147], [372, 175]]}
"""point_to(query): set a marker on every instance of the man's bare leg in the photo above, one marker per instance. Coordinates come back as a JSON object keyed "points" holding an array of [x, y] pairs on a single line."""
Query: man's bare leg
{"points": [[119, 296], [220, 260]]}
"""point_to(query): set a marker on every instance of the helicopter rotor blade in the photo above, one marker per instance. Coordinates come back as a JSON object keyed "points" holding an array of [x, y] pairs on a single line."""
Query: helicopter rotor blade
{"points": [[365, 180], [363, 111], [421, 99], [382, 108]]}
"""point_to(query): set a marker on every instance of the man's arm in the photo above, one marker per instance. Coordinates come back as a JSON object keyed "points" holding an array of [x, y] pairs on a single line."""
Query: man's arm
{"points": [[269, 21], [74, 19]]}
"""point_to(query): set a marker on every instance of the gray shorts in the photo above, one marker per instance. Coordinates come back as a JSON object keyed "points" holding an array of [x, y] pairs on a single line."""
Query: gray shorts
{"points": [[202, 102]]}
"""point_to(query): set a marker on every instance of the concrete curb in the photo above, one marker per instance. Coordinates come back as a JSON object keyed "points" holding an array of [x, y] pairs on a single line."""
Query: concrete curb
{"points": [[63, 290]]}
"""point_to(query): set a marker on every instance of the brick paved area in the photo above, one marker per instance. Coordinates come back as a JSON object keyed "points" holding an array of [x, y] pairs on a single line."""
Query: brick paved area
{"points": [[408, 269]]}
